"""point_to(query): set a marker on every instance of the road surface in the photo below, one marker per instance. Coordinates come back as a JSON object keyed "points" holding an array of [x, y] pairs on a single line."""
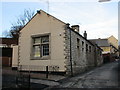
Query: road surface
{"points": [[105, 76]]}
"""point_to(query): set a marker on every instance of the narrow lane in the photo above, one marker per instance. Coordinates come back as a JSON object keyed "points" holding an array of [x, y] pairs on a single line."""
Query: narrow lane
{"points": [[105, 76]]}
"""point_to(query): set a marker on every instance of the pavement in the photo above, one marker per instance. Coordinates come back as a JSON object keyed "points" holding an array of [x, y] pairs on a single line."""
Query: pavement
{"points": [[51, 77], [52, 80]]}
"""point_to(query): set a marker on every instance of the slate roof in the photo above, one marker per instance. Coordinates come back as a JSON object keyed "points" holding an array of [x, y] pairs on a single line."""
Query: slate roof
{"points": [[101, 42], [8, 41]]}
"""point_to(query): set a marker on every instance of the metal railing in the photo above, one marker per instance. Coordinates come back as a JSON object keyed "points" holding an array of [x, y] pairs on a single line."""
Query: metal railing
{"points": [[24, 73]]}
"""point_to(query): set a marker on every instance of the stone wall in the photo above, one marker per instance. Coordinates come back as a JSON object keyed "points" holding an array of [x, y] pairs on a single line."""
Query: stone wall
{"points": [[98, 58], [82, 56]]}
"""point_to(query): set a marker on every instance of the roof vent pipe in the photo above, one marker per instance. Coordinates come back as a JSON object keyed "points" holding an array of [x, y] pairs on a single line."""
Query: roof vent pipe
{"points": [[85, 34]]}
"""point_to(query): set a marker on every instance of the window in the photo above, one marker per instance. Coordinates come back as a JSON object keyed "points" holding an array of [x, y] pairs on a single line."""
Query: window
{"points": [[82, 43], [89, 48], [40, 47], [45, 49], [78, 46], [86, 47], [82, 46], [78, 42], [78, 50]]}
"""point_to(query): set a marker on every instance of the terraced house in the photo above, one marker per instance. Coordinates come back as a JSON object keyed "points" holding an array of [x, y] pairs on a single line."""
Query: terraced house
{"points": [[48, 41]]}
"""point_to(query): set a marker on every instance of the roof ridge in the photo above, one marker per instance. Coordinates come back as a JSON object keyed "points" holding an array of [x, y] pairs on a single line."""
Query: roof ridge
{"points": [[52, 16]]}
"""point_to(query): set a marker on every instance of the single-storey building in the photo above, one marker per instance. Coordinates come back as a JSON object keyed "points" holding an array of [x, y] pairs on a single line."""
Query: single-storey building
{"points": [[46, 41]]}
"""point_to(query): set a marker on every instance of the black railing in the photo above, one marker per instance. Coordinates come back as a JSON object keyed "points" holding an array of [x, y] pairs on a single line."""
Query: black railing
{"points": [[25, 72], [23, 80]]}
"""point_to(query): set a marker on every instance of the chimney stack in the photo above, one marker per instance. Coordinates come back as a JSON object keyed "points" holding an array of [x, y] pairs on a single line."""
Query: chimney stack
{"points": [[85, 34], [75, 27], [67, 24], [38, 11]]}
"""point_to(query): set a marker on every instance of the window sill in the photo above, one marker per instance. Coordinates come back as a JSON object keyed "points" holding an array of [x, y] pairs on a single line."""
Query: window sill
{"points": [[41, 58]]}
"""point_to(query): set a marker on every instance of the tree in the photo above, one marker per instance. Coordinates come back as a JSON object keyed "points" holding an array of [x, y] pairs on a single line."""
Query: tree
{"points": [[20, 23], [14, 31]]}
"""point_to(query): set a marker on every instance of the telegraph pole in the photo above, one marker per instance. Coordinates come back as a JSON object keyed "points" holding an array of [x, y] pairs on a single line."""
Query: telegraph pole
{"points": [[48, 6]]}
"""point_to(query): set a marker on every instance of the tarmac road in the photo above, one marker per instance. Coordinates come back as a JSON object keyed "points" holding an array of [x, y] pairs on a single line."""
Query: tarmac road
{"points": [[105, 76]]}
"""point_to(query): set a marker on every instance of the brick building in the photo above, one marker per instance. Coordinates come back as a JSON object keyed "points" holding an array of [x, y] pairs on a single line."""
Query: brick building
{"points": [[6, 49]]}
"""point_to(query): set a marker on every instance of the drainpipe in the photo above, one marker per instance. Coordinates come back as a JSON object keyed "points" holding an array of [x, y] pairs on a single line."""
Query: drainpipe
{"points": [[95, 56], [71, 69]]}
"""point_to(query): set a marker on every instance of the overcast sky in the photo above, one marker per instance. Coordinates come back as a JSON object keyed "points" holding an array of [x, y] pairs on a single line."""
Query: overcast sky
{"points": [[100, 20]]}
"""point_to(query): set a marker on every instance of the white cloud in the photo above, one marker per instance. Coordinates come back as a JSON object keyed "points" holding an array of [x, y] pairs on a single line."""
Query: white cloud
{"points": [[92, 17], [102, 29], [110, 23], [76, 13]]}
